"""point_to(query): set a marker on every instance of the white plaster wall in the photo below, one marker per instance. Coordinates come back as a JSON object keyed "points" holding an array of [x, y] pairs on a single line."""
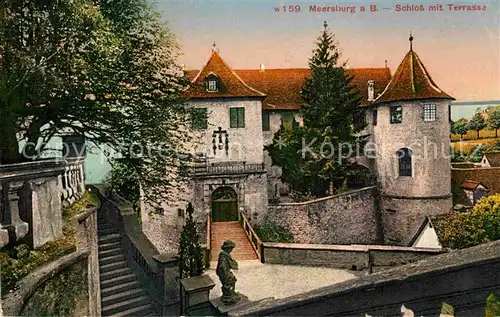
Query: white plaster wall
{"points": [[245, 144], [427, 238]]}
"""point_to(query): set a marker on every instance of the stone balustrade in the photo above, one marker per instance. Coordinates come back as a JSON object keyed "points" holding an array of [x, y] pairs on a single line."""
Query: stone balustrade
{"points": [[72, 180], [32, 195], [30, 206]]}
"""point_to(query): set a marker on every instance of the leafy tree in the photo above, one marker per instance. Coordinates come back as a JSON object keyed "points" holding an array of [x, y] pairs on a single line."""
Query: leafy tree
{"points": [[190, 252], [477, 123], [125, 182], [460, 127], [102, 69], [480, 225], [493, 121], [318, 153]]}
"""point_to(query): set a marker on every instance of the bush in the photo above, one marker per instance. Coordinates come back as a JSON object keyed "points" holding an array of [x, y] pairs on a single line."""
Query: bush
{"points": [[190, 252], [269, 231], [482, 224]]}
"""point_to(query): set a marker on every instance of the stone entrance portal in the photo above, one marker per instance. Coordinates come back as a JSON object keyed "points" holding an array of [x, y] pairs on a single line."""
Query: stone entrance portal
{"points": [[224, 205]]}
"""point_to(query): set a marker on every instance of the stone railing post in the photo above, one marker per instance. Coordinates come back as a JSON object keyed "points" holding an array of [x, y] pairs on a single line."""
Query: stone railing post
{"points": [[194, 291], [12, 227], [168, 268]]}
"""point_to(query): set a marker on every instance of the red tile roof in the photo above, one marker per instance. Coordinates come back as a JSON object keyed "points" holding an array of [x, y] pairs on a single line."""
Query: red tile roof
{"points": [[411, 81], [471, 185], [230, 84], [283, 86]]}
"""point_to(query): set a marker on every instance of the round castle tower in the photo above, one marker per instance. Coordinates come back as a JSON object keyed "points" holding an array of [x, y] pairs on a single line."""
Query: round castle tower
{"points": [[411, 128]]}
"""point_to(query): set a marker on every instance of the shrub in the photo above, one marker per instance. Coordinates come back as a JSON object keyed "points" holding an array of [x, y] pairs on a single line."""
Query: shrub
{"points": [[190, 253], [481, 225], [269, 231]]}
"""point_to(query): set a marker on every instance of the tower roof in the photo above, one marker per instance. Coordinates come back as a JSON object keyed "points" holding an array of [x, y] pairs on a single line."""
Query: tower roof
{"points": [[411, 81], [229, 83]]}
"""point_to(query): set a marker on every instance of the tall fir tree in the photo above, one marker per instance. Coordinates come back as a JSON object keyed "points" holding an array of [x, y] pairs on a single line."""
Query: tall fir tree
{"points": [[190, 252], [331, 113]]}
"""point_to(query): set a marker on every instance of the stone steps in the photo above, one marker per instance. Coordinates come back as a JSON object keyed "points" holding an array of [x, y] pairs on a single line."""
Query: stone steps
{"points": [[121, 292], [222, 231]]}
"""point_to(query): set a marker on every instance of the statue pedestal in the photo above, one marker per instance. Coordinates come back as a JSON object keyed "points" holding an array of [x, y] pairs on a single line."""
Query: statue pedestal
{"points": [[223, 309]]}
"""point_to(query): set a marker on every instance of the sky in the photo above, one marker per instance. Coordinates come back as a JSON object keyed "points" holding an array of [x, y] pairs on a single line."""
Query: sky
{"points": [[461, 49]]}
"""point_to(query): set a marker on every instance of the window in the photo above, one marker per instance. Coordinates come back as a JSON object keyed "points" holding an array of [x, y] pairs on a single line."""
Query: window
{"points": [[212, 85], [212, 82], [374, 116], [359, 120], [404, 158], [396, 114], [265, 121], [237, 117], [429, 112], [199, 118]]}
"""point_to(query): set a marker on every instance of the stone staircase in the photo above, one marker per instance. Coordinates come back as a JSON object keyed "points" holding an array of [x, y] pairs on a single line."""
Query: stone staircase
{"points": [[231, 230], [121, 292]]}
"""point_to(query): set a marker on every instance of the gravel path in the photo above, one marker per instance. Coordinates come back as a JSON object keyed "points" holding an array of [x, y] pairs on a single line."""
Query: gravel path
{"points": [[258, 281]]}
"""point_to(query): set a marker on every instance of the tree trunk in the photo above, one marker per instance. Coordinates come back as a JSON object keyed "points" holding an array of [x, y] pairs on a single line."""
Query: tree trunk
{"points": [[9, 147], [477, 133]]}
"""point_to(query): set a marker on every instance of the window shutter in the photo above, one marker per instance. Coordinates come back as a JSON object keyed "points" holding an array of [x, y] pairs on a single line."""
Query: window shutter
{"points": [[241, 118], [204, 118], [265, 121], [233, 117]]}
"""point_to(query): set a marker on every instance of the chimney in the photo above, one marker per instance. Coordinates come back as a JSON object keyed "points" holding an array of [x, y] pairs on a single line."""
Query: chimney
{"points": [[262, 67], [371, 90]]}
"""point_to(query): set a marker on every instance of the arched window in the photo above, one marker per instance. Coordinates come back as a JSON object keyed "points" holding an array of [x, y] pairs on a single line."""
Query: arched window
{"points": [[404, 160]]}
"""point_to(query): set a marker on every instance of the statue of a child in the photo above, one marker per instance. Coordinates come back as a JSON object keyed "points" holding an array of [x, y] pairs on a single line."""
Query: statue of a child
{"points": [[228, 280]]}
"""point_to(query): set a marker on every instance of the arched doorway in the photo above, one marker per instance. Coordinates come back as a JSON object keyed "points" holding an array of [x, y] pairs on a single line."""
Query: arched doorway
{"points": [[224, 205]]}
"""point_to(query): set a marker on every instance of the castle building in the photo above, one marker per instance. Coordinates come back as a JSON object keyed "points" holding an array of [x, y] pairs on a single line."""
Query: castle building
{"points": [[237, 112]]}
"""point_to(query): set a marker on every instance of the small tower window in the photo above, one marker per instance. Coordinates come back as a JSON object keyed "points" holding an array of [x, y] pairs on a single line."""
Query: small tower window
{"points": [[396, 114], [430, 112], [374, 115], [404, 160]]}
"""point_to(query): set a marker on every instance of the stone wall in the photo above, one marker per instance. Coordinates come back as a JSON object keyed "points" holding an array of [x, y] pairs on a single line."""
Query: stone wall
{"points": [[358, 257], [63, 295], [68, 286], [401, 218], [349, 218]]}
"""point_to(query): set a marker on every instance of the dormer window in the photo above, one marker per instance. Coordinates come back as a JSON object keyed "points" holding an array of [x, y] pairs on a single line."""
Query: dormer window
{"points": [[212, 85], [212, 82]]}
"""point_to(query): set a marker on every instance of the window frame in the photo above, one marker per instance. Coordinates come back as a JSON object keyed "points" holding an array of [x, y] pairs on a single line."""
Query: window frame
{"points": [[237, 121], [392, 111], [405, 162], [429, 112]]}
